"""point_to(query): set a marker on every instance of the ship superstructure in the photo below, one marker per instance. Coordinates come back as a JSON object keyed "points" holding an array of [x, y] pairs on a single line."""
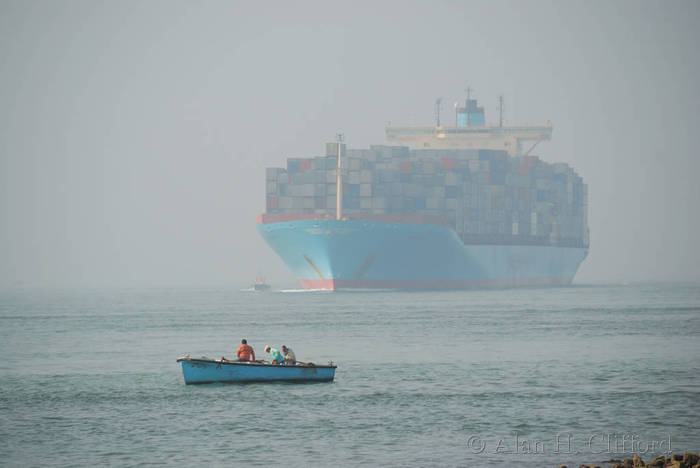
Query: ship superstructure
{"points": [[451, 207]]}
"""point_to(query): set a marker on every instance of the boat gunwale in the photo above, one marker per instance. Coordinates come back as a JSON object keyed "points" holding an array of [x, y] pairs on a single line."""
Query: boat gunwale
{"points": [[253, 363]]}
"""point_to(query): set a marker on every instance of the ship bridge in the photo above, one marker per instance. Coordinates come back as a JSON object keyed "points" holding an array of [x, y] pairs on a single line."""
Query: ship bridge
{"points": [[471, 132], [513, 139]]}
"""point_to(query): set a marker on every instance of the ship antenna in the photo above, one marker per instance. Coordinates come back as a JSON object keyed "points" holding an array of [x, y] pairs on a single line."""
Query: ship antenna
{"points": [[437, 111], [500, 110], [339, 181]]}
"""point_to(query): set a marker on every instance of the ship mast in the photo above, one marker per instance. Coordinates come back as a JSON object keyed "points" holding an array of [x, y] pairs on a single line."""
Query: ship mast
{"points": [[469, 96], [437, 111], [339, 181], [500, 111]]}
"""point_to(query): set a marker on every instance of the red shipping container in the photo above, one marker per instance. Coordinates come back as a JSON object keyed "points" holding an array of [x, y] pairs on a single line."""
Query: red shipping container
{"points": [[448, 163], [486, 178], [406, 167], [304, 165], [531, 160], [524, 169]]}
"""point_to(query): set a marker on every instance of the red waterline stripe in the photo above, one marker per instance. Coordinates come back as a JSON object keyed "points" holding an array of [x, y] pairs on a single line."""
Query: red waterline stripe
{"points": [[269, 218], [335, 284]]}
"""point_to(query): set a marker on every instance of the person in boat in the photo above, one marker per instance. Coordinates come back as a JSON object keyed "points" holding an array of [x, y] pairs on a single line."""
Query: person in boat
{"points": [[245, 351], [290, 358], [275, 355]]}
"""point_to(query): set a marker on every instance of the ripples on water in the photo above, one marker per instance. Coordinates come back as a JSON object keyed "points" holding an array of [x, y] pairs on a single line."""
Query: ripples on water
{"points": [[89, 378]]}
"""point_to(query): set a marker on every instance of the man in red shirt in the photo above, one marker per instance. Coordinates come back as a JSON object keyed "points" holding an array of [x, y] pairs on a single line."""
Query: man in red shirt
{"points": [[245, 352]]}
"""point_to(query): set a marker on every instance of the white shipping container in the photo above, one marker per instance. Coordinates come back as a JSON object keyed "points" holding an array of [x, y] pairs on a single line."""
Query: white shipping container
{"points": [[560, 168], [428, 167], [365, 190], [452, 179], [379, 203], [285, 203], [470, 154], [272, 173], [412, 190], [543, 184], [353, 177], [308, 190], [366, 203], [365, 176]]}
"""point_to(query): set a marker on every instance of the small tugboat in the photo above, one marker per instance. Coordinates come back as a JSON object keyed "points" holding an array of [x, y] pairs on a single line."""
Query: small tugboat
{"points": [[260, 284], [204, 370]]}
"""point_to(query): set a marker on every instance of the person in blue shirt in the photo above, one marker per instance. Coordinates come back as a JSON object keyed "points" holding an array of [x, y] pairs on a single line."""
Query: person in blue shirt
{"points": [[275, 356]]}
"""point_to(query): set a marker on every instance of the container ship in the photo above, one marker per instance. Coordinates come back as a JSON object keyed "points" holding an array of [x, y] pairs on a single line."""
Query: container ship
{"points": [[444, 207]]}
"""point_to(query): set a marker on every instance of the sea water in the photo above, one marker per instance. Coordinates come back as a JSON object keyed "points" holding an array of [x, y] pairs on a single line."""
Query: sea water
{"points": [[530, 377]]}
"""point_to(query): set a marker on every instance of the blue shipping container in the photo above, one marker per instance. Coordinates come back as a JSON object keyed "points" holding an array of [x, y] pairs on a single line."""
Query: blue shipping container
{"points": [[292, 166]]}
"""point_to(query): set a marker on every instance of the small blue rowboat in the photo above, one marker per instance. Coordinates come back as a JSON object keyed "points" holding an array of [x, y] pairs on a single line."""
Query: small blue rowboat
{"points": [[203, 370]]}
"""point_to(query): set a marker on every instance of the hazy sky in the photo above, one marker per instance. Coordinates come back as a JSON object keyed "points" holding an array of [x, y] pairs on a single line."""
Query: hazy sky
{"points": [[134, 135]]}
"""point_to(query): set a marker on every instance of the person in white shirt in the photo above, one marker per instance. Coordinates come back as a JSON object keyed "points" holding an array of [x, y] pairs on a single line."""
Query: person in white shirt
{"points": [[289, 358]]}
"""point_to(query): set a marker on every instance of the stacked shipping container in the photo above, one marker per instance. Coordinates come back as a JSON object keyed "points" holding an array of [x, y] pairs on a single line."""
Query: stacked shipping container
{"points": [[485, 195]]}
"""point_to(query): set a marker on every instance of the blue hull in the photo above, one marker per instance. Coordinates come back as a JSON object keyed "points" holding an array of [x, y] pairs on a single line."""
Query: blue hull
{"points": [[347, 254], [200, 371]]}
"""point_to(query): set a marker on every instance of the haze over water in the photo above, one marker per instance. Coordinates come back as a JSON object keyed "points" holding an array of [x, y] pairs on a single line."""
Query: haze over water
{"points": [[134, 135], [425, 378]]}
